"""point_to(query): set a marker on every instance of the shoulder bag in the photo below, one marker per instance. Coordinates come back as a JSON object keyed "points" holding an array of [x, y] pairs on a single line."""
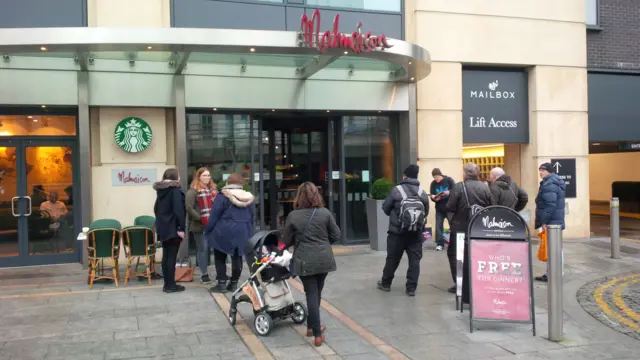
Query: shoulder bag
{"points": [[473, 209]]}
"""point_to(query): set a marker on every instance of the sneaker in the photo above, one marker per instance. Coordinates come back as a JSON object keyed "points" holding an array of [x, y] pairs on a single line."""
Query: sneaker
{"points": [[439, 248], [385, 288], [205, 279], [542, 278], [221, 287], [174, 289], [233, 285], [452, 289], [411, 293]]}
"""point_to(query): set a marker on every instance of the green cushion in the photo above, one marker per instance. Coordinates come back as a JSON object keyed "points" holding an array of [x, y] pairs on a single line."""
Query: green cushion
{"points": [[145, 220], [136, 237], [105, 224]]}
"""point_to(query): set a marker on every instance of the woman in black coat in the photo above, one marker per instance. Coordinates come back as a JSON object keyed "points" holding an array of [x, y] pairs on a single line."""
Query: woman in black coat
{"points": [[170, 225], [311, 229]]}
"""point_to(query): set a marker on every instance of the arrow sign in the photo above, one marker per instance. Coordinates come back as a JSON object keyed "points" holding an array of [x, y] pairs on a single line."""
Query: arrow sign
{"points": [[568, 175], [557, 166]]}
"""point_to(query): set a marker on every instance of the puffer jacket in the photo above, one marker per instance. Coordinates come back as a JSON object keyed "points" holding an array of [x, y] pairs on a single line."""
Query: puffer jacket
{"points": [[505, 192], [169, 209], [550, 202], [231, 221], [391, 205], [479, 194]]}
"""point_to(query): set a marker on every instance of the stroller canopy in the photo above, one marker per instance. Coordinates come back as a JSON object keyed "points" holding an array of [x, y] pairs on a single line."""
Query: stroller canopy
{"points": [[262, 237]]}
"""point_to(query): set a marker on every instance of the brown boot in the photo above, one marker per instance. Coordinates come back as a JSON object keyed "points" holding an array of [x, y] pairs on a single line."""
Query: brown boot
{"points": [[319, 340], [310, 331]]}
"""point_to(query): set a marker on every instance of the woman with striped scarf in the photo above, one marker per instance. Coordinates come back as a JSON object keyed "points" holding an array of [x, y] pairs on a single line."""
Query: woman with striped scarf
{"points": [[198, 202]]}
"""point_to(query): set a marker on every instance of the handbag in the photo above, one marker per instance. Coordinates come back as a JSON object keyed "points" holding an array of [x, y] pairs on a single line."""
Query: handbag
{"points": [[473, 209], [542, 250], [304, 231], [184, 273]]}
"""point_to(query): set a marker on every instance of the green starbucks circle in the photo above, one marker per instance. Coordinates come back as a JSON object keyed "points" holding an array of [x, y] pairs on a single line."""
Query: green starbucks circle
{"points": [[133, 135]]}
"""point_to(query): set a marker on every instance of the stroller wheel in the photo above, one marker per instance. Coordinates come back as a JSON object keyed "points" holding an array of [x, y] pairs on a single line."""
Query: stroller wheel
{"points": [[232, 317], [263, 323], [299, 314]]}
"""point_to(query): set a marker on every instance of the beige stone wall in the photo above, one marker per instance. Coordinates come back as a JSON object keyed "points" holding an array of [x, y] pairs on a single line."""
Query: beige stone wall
{"points": [[546, 37], [129, 13]]}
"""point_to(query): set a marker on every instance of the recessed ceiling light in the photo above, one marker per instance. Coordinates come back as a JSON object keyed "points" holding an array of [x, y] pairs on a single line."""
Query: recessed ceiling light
{"points": [[413, 79], [215, 109], [328, 110], [44, 106], [346, 52], [43, 48], [29, 117], [149, 47], [252, 50], [379, 111], [35, 120], [596, 144], [409, 62], [273, 109]]}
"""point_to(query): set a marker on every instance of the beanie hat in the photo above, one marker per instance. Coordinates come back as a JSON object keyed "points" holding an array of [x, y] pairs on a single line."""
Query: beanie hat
{"points": [[412, 171], [546, 166], [436, 172]]}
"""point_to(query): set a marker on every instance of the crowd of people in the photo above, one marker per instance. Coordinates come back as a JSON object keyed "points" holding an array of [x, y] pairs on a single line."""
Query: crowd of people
{"points": [[222, 221]]}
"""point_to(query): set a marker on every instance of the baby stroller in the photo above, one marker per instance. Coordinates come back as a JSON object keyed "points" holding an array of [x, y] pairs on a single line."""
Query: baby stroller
{"points": [[267, 289]]}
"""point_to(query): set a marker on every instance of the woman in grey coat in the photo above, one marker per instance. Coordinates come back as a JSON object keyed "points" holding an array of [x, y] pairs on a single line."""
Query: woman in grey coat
{"points": [[311, 229]]}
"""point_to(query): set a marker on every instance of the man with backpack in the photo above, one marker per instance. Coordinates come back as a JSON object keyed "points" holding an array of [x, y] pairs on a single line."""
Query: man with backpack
{"points": [[407, 207]]}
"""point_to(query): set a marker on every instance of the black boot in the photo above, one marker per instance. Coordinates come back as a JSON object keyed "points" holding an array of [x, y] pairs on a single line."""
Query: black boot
{"points": [[233, 285], [221, 287]]}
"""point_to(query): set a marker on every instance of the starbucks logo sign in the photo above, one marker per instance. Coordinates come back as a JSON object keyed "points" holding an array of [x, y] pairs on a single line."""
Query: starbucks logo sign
{"points": [[133, 135]]}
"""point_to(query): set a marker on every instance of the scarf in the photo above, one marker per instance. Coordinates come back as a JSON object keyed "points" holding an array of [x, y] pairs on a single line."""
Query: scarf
{"points": [[205, 200]]}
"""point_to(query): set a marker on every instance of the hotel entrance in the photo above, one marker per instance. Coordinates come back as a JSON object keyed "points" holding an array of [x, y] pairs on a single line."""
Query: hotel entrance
{"points": [[342, 155], [37, 217]]}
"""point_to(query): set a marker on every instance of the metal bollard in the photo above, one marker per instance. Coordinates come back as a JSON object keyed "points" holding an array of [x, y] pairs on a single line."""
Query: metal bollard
{"points": [[554, 287], [614, 215]]}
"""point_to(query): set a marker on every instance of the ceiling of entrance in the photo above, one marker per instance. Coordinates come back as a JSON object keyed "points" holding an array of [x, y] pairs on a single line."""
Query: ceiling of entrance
{"points": [[216, 52]]}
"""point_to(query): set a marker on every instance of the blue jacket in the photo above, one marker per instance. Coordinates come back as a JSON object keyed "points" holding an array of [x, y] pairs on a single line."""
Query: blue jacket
{"points": [[550, 202], [231, 220]]}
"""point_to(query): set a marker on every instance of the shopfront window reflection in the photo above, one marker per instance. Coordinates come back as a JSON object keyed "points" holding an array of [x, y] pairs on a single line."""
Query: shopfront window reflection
{"points": [[379, 5], [369, 146]]}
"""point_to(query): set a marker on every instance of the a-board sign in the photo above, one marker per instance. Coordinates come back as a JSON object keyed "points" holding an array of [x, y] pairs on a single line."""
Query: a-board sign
{"points": [[500, 270], [566, 170]]}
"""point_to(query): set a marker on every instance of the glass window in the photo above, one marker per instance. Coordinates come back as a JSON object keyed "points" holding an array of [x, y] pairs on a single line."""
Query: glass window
{"points": [[593, 12], [37, 125], [378, 5], [369, 147]]}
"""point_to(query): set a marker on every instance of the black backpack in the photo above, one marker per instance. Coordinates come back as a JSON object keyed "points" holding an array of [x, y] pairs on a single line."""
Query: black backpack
{"points": [[412, 215]]}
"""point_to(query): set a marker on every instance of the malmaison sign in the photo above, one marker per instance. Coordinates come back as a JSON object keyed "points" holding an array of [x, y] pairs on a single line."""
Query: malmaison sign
{"points": [[495, 106], [311, 36]]}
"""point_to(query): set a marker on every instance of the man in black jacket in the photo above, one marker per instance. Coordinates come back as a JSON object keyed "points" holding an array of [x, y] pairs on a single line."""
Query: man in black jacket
{"points": [[439, 193], [471, 191], [505, 191], [398, 241]]}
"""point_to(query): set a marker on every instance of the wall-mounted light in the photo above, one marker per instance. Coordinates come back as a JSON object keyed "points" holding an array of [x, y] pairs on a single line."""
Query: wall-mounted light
{"points": [[149, 47], [215, 109], [252, 50], [44, 106], [413, 79], [42, 48]]}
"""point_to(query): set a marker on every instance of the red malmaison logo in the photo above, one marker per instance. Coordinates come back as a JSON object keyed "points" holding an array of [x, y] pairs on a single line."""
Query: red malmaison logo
{"points": [[357, 42]]}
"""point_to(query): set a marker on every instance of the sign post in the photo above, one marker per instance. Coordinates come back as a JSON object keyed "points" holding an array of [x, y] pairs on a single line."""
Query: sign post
{"points": [[459, 269], [500, 269]]}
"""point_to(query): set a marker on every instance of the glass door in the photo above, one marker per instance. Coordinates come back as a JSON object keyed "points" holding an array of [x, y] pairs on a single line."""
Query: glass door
{"points": [[38, 221]]}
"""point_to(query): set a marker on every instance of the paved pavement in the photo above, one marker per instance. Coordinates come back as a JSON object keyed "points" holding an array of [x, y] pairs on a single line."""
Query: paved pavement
{"points": [[49, 313]]}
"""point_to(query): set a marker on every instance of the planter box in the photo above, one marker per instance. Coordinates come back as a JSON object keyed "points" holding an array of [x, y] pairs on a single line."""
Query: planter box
{"points": [[378, 224]]}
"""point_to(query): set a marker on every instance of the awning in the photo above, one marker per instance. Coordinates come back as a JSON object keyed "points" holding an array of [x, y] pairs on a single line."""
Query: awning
{"points": [[220, 52]]}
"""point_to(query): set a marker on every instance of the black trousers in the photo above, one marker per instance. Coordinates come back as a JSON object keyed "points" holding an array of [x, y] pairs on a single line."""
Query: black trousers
{"points": [[439, 234], [169, 258], [220, 260], [397, 245], [313, 285], [451, 254]]}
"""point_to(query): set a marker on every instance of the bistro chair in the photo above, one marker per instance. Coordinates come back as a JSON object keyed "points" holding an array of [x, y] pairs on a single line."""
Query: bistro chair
{"points": [[145, 220], [103, 242], [139, 241]]}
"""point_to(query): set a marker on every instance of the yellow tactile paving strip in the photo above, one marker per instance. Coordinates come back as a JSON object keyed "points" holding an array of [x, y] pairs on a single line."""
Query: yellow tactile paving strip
{"points": [[609, 298]]}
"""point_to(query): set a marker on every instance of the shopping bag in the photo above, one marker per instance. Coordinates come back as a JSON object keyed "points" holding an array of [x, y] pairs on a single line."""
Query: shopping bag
{"points": [[184, 271], [542, 250]]}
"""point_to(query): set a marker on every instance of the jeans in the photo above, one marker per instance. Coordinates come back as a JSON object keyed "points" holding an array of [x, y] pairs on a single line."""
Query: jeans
{"points": [[169, 258], [204, 253], [220, 260], [397, 245], [439, 235], [313, 285]]}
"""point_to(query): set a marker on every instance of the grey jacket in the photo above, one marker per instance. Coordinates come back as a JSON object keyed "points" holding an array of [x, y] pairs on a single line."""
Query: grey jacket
{"points": [[312, 252], [391, 205]]}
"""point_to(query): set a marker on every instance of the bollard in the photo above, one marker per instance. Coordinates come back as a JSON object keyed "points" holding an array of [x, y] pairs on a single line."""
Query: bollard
{"points": [[554, 287], [614, 215]]}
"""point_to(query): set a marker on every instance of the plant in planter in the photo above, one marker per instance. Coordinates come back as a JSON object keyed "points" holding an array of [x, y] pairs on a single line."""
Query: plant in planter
{"points": [[376, 219]]}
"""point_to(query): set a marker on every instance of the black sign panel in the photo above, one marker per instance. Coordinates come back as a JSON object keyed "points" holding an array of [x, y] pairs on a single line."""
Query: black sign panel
{"points": [[495, 106], [566, 170], [498, 223], [614, 109]]}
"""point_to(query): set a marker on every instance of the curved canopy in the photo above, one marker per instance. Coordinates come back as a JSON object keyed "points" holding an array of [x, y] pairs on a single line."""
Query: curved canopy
{"points": [[398, 60]]}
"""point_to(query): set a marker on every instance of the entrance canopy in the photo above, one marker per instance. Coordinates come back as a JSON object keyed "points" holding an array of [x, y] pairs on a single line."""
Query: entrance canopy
{"points": [[221, 52]]}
